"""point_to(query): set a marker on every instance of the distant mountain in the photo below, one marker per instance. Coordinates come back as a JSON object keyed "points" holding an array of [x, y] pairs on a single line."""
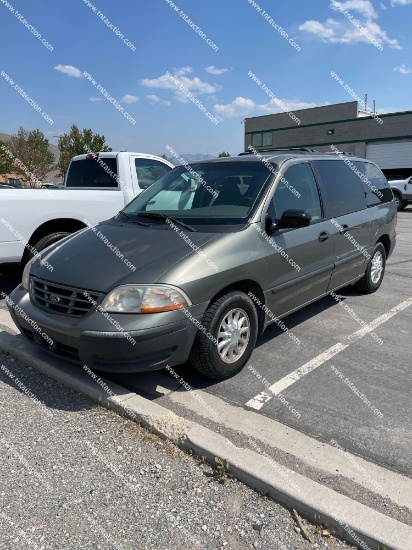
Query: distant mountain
{"points": [[52, 148]]}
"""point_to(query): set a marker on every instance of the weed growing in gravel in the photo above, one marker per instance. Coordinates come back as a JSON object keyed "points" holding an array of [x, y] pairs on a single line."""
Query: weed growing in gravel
{"points": [[221, 472]]}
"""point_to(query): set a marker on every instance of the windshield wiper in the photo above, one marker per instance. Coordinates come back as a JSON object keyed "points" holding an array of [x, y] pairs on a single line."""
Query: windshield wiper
{"points": [[164, 217], [129, 219]]}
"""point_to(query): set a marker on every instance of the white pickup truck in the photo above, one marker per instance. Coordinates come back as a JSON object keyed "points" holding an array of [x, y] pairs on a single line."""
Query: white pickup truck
{"points": [[402, 191], [96, 187]]}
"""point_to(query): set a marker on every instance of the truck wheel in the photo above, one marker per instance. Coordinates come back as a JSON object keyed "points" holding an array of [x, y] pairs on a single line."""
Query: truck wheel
{"points": [[45, 242], [227, 337], [399, 202], [404, 205], [375, 271]]}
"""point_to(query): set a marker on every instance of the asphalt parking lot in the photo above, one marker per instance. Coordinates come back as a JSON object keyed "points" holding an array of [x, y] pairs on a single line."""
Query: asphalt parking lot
{"points": [[365, 409]]}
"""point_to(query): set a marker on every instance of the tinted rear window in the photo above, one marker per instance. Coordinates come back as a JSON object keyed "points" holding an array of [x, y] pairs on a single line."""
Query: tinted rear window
{"points": [[375, 184], [342, 186], [101, 172]]}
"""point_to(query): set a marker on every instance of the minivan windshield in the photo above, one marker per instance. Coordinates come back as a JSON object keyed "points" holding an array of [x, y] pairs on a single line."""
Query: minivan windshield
{"points": [[215, 193]]}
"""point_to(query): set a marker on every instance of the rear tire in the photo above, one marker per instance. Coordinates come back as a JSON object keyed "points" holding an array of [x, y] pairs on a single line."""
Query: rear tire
{"points": [[233, 322], [375, 271]]}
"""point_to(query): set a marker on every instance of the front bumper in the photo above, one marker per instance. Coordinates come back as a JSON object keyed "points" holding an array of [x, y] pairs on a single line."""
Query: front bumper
{"points": [[148, 342]]}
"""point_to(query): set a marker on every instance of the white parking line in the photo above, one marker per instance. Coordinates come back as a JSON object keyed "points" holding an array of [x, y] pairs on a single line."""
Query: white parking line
{"points": [[263, 397]]}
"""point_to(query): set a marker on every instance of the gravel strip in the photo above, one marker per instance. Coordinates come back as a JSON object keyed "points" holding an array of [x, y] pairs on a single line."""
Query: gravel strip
{"points": [[74, 475]]}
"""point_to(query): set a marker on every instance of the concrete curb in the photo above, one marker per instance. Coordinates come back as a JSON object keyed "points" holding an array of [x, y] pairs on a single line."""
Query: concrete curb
{"points": [[352, 521]]}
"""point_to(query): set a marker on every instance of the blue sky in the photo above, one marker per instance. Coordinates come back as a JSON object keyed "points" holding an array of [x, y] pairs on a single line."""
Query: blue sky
{"points": [[163, 42]]}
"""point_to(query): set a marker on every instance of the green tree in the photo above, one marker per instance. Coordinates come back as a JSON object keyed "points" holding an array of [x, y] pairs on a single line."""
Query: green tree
{"points": [[6, 163], [33, 159], [78, 142], [166, 158], [223, 154]]}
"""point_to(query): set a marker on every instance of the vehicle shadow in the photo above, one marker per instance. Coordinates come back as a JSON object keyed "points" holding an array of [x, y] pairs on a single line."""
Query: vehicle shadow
{"points": [[45, 391], [146, 384]]}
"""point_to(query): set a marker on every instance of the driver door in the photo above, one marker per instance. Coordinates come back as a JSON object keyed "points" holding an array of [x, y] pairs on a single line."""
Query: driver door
{"points": [[301, 259]]}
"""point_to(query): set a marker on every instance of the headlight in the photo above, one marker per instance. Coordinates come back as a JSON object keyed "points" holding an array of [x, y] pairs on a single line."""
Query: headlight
{"points": [[144, 299], [25, 280]]}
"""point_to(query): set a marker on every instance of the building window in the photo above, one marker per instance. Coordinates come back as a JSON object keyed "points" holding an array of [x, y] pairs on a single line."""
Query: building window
{"points": [[267, 139], [262, 140], [257, 140]]}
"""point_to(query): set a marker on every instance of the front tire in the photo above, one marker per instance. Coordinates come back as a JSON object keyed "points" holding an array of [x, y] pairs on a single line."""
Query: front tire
{"points": [[400, 203], [230, 326], [375, 271]]}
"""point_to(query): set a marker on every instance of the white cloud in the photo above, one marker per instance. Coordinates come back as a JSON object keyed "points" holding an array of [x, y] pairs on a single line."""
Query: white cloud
{"points": [[400, 3], [383, 7], [240, 106], [403, 69], [194, 85], [69, 70], [95, 99], [351, 30], [346, 33], [211, 69], [129, 99], [155, 99], [317, 28], [292, 105], [364, 7]]}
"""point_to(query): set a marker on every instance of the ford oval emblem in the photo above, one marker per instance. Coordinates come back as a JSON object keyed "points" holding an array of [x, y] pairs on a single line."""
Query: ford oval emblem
{"points": [[53, 298]]}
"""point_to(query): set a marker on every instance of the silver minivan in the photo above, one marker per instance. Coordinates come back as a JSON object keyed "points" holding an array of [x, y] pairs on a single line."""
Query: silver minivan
{"points": [[203, 260]]}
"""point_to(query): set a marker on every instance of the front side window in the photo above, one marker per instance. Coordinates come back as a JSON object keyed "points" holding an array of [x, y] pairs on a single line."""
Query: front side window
{"points": [[298, 190], [220, 193], [148, 171], [343, 187]]}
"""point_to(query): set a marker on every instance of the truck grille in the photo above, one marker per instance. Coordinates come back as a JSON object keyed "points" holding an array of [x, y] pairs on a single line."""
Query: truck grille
{"points": [[61, 299]]}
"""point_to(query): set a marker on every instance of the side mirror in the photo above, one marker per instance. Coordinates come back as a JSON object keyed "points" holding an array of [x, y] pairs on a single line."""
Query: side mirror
{"points": [[294, 219], [270, 226], [410, 180]]}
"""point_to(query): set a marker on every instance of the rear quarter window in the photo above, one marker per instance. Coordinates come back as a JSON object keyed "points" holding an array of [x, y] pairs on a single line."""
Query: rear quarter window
{"points": [[342, 187], [375, 184]]}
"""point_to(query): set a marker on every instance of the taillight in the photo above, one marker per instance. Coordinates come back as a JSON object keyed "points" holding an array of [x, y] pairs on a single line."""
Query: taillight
{"points": [[92, 156]]}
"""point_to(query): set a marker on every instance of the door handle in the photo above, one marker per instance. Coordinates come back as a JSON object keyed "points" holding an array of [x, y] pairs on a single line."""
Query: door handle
{"points": [[343, 229], [323, 236]]}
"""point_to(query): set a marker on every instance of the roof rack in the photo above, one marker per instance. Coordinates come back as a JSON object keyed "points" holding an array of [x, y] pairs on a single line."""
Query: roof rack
{"points": [[274, 149], [292, 149], [346, 153]]}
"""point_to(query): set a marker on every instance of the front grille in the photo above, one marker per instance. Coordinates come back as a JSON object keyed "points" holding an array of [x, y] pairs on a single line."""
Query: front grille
{"points": [[61, 299]]}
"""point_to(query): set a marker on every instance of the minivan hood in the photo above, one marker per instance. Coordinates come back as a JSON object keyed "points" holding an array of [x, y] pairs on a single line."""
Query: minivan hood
{"points": [[84, 260]]}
